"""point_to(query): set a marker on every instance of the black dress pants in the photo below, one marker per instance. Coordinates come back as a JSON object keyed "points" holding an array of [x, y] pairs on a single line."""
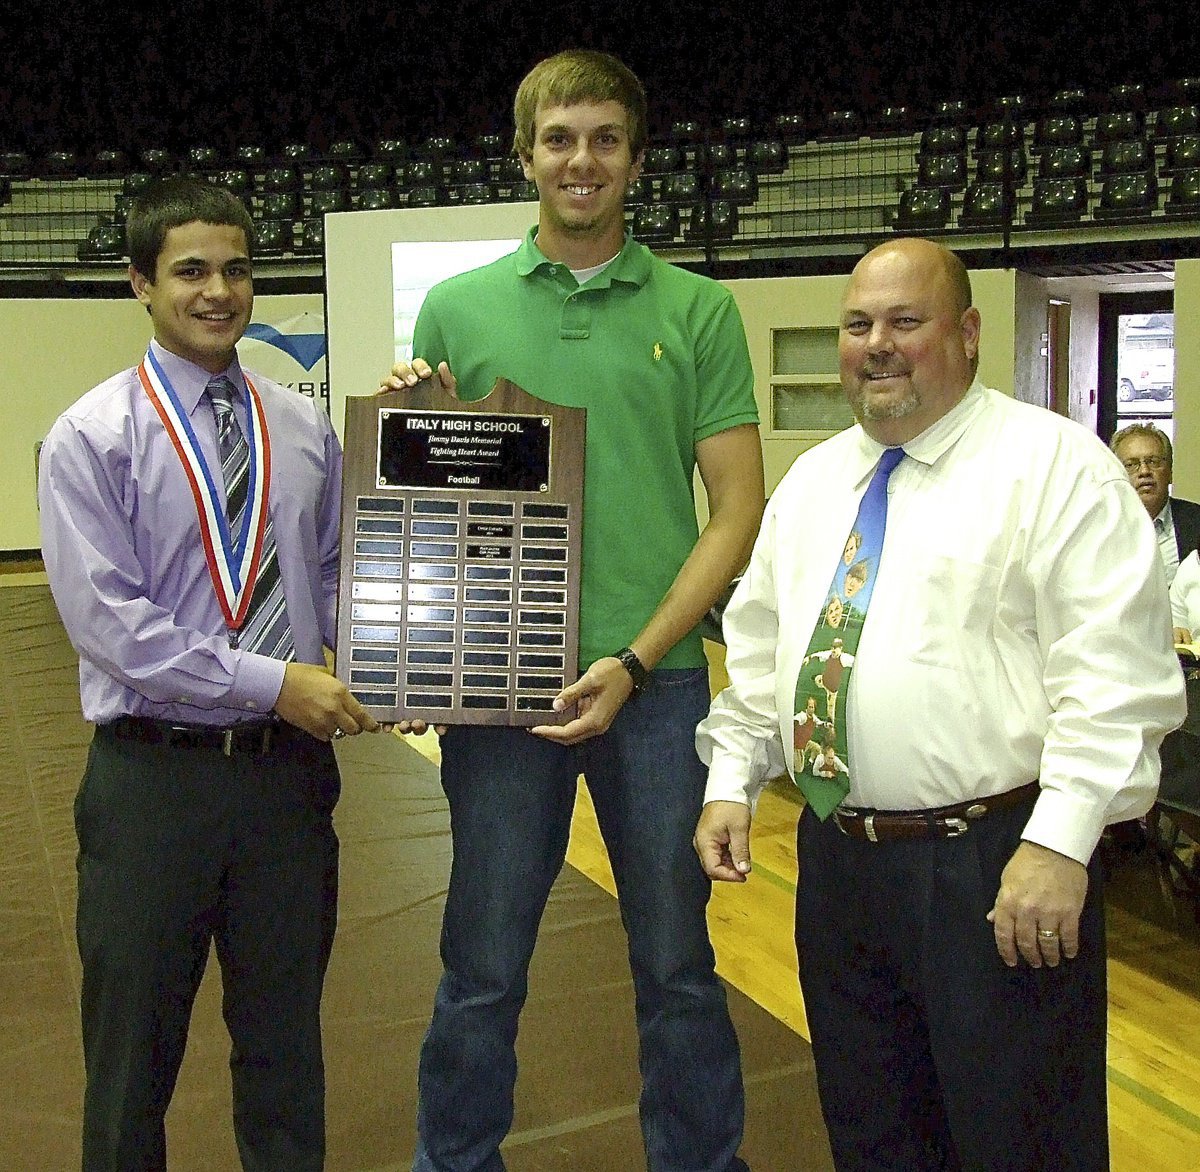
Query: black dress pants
{"points": [[930, 1052], [180, 847]]}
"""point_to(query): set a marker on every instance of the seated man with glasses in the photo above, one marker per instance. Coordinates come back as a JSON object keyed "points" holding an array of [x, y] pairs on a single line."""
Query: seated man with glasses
{"points": [[1146, 453]]}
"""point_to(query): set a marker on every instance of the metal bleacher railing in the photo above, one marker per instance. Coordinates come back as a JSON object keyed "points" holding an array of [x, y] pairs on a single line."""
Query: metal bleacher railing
{"points": [[1074, 170]]}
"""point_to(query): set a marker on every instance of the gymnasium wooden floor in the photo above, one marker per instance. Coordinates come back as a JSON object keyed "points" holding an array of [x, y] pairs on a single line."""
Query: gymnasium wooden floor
{"points": [[576, 1103]]}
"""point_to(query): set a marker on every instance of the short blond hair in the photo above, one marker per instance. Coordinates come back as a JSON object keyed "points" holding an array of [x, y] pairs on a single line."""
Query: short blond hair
{"points": [[577, 76]]}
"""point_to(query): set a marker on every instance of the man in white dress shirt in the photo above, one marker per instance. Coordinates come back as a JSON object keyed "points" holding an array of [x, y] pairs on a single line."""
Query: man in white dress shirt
{"points": [[1011, 687]]}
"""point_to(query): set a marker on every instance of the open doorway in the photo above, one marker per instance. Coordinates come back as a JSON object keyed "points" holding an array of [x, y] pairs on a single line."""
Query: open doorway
{"points": [[1137, 361]]}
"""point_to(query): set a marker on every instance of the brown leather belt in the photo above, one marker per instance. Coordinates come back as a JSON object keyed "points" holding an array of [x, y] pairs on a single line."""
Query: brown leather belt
{"points": [[940, 822]]}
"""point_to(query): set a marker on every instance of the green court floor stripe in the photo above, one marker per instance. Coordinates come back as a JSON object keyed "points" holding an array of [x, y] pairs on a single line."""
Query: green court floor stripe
{"points": [[769, 876], [1155, 1101]]}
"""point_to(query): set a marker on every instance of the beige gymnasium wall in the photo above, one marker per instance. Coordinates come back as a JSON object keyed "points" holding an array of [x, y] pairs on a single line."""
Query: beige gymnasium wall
{"points": [[56, 349]]}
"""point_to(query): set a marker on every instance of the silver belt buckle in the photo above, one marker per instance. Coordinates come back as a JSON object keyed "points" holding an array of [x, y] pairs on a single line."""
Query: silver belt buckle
{"points": [[956, 827], [227, 743]]}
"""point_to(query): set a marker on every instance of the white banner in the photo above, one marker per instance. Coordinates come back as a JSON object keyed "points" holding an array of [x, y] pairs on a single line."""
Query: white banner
{"points": [[286, 342]]}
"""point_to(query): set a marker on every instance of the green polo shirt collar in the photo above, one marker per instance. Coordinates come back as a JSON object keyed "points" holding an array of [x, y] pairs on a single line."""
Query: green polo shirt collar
{"points": [[631, 264]]}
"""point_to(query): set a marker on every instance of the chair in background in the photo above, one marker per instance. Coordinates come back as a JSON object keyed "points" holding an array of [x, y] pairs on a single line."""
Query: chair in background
{"points": [[103, 242], [792, 128], [841, 126], [251, 156], [524, 191], [953, 112], [1013, 108], [329, 177], [203, 158], [984, 206], [999, 136], [1069, 101], [322, 203], [1126, 156], [281, 179], [297, 154], [1128, 195], [273, 237], [156, 160], [135, 182], [1006, 166], [390, 150], [1184, 197], [894, 121], [715, 156], [948, 171], [686, 132], [15, 164], [738, 185], [712, 220], [59, 164], [943, 140], [421, 173], [1058, 201], [344, 150], [312, 238], [925, 209], [1181, 153], [1183, 91], [1057, 130], [475, 193], [279, 205], [1067, 162], [737, 129], [1176, 121], [766, 156], [1127, 97], [681, 187], [423, 196], [107, 163], [374, 199], [510, 169], [492, 147], [656, 223], [1119, 125], [468, 171], [374, 175], [237, 180]]}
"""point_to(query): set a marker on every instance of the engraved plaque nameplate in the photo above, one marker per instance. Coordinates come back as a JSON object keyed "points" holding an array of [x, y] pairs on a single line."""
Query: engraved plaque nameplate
{"points": [[462, 530]]}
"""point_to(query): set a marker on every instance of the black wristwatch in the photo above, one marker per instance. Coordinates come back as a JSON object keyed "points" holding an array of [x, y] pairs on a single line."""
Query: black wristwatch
{"points": [[633, 665]]}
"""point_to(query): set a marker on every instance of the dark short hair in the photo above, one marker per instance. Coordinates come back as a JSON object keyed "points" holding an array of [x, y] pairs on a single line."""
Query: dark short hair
{"points": [[1149, 431], [173, 202], [570, 78]]}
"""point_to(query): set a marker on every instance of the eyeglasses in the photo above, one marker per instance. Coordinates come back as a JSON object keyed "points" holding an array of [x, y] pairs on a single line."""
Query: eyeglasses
{"points": [[1153, 463]]}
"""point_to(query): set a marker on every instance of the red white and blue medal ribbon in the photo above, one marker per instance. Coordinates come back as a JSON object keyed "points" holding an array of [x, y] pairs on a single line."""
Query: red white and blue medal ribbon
{"points": [[232, 563]]}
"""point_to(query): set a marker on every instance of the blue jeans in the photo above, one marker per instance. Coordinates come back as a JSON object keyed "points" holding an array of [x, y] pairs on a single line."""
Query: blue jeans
{"points": [[511, 797]]}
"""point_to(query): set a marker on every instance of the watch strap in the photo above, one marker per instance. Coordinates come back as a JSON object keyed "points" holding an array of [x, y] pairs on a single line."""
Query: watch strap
{"points": [[633, 665]]}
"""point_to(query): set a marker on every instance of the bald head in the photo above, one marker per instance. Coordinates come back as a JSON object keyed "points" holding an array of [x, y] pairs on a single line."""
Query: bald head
{"points": [[933, 257], [909, 338]]}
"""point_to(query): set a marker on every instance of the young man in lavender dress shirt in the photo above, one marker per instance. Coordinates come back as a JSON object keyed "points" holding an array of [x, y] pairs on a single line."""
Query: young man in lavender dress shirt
{"points": [[204, 814]]}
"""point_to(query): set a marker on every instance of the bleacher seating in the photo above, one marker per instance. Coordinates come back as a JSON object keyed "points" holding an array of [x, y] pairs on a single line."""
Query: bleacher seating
{"points": [[1023, 165]]}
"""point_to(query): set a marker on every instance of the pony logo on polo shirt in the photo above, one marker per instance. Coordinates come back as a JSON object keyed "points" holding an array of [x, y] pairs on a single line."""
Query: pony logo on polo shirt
{"points": [[658, 351]]}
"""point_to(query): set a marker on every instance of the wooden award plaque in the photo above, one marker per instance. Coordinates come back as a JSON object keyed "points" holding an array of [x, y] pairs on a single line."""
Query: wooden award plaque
{"points": [[461, 535]]}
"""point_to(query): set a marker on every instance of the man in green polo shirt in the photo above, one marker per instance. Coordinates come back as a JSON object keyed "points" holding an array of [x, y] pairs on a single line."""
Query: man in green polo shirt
{"points": [[583, 315]]}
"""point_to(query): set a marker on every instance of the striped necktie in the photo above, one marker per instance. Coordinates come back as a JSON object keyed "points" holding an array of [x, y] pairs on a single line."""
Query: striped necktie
{"points": [[265, 630], [820, 743]]}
